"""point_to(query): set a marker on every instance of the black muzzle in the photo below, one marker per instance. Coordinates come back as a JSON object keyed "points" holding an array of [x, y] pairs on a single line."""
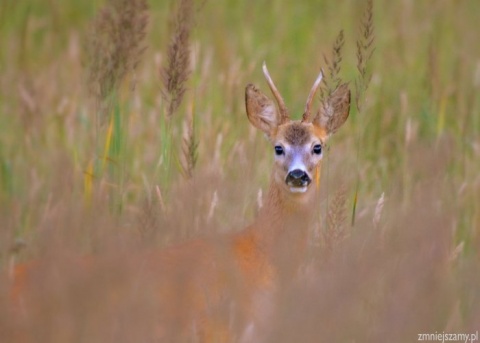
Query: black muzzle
{"points": [[298, 178]]}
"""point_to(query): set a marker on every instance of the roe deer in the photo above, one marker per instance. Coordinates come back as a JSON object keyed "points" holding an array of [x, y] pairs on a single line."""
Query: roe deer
{"points": [[277, 237], [195, 274]]}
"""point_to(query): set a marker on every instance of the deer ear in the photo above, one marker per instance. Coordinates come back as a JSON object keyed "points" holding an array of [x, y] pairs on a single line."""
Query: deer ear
{"points": [[334, 111], [261, 111]]}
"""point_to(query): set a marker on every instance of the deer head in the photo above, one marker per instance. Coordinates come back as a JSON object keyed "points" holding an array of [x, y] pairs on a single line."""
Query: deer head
{"points": [[298, 144]]}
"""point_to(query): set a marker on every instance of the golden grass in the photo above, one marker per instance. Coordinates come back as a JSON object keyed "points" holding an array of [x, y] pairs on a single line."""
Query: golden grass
{"points": [[175, 75]]}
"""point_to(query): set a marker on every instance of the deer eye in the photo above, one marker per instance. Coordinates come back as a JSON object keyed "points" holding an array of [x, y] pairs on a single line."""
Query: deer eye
{"points": [[279, 150], [317, 149]]}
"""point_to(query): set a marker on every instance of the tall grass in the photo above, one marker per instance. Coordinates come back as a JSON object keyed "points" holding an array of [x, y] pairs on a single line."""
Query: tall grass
{"points": [[410, 155], [115, 47], [175, 75]]}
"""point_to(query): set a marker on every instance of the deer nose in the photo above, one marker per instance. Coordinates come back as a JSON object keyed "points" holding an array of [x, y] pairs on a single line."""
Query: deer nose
{"points": [[298, 178]]}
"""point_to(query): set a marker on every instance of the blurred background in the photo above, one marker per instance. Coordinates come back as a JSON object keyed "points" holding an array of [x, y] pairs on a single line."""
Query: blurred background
{"points": [[122, 126]]}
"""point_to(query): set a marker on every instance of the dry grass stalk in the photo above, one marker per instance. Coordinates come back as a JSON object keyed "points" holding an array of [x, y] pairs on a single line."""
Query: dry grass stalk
{"points": [[115, 47], [213, 206], [148, 219], [456, 252], [160, 198], [332, 80], [259, 199], [378, 210], [177, 71], [365, 49], [189, 147], [335, 230]]}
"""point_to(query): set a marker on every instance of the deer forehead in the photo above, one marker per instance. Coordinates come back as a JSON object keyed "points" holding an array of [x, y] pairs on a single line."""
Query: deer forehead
{"points": [[298, 133]]}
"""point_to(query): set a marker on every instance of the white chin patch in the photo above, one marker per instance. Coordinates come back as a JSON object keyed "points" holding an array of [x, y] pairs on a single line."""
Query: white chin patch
{"points": [[298, 189]]}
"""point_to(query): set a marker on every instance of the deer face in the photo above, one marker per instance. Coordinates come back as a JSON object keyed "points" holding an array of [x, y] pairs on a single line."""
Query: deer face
{"points": [[297, 145], [298, 150]]}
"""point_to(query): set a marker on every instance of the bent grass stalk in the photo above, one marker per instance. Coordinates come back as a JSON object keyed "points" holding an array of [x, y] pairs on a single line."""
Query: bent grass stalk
{"points": [[365, 49]]}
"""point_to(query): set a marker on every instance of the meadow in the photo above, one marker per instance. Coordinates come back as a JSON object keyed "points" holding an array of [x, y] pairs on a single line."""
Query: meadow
{"points": [[123, 129]]}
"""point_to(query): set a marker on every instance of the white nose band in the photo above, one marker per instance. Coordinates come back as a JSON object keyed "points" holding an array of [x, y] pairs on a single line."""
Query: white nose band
{"points": [[297, 164]]}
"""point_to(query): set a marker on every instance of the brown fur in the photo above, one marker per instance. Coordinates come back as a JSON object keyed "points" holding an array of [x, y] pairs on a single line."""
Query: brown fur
{"points": [[297, 134]]}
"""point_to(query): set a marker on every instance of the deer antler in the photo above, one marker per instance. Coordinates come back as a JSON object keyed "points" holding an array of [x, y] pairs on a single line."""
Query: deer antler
{"points": [[308, 105], [281, 104]]}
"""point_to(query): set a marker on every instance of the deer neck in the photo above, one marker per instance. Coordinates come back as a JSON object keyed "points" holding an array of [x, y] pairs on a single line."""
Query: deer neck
{"points": [[285, 218]]}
